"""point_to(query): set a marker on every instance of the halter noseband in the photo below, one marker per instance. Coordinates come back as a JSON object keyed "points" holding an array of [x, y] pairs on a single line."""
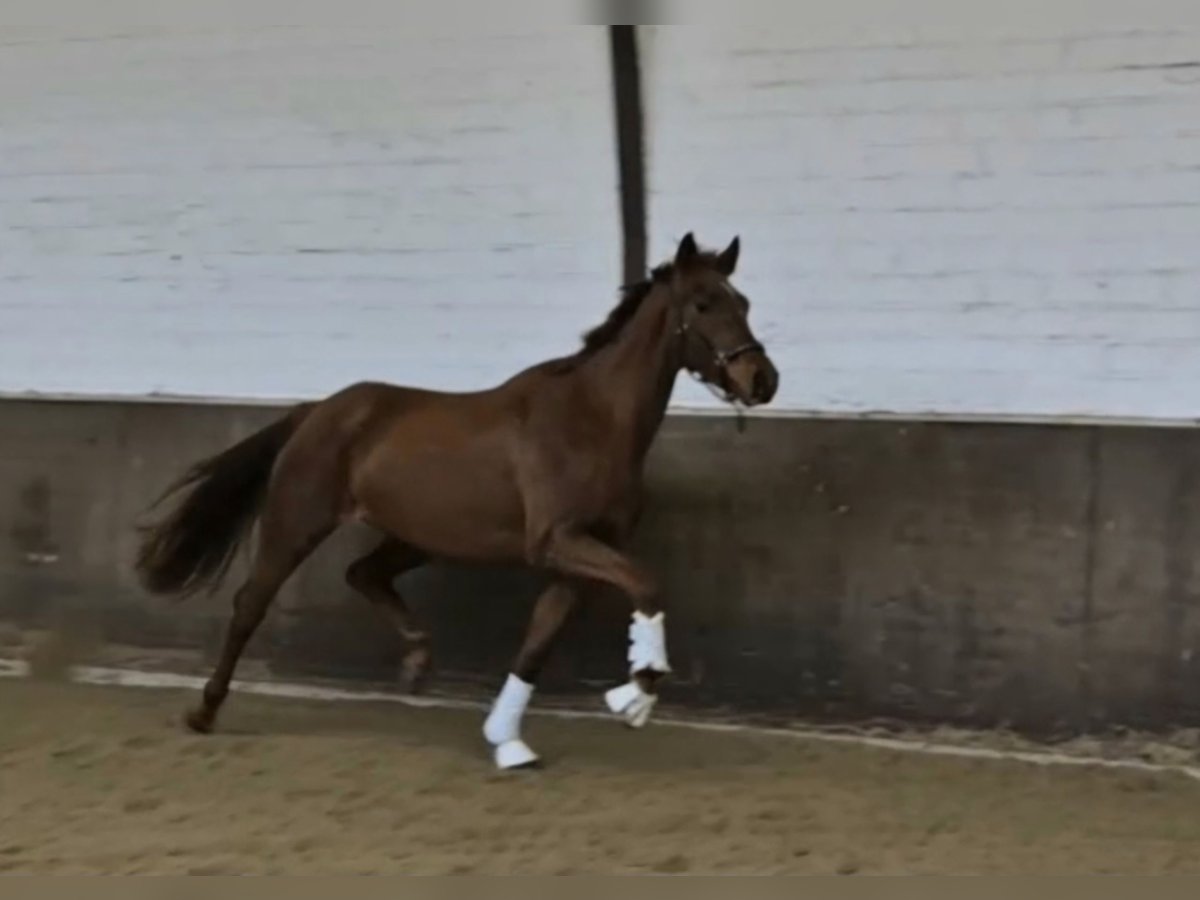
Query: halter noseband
{"points": [[722, 358]]}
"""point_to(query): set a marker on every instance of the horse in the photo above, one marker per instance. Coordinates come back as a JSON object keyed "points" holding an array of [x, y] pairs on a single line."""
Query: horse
{"points": [[544, 469]]}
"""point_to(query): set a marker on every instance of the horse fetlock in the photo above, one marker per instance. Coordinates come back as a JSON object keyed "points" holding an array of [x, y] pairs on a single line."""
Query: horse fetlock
{"points": [[415, 668], [214, 694]]}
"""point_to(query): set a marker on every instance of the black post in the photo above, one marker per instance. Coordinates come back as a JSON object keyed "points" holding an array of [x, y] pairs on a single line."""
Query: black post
{"points": [[627, 106]]}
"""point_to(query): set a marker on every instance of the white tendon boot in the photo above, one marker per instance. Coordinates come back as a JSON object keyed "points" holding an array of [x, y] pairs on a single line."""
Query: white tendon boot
{"points": [[502, 728], [647, 650]]}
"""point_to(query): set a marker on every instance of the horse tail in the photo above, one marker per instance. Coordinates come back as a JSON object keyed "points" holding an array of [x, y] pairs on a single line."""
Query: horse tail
{"points": [[193, 545]]}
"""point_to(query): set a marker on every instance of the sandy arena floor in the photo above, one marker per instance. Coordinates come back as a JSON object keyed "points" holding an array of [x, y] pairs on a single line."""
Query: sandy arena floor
{"points": [[104, 780]]}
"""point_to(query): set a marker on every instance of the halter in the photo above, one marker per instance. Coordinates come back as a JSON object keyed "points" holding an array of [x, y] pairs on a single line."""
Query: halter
{"points": [[723, 358]]}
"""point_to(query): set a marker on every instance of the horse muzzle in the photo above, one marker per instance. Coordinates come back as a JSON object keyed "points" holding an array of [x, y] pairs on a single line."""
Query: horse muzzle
{"points": [[752, 379]]}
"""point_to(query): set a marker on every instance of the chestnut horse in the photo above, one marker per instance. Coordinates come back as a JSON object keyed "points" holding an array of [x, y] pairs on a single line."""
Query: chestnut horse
{"points": [[544, 469]]}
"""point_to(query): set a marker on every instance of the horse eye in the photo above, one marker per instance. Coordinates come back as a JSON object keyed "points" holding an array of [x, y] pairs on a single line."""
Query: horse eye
{"points": [[703, 305]]}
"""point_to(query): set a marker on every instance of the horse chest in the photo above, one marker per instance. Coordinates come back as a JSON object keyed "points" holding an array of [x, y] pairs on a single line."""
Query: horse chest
{"points": [[614, 493]]}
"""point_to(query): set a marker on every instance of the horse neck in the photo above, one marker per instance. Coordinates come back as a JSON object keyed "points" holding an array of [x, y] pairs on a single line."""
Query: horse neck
{"points": [[637, 371]]}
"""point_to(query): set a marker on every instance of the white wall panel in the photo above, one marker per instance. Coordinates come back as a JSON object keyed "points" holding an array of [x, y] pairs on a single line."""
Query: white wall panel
{"points": [[995, 220], [236, 208]]}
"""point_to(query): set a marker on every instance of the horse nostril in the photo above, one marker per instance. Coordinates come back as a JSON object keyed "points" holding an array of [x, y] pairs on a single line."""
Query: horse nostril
{"points": [[762, 386]]}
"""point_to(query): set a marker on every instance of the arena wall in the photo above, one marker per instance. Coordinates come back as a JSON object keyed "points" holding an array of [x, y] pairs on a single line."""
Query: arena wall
{"points": [[970, 247], [1034, 575]]}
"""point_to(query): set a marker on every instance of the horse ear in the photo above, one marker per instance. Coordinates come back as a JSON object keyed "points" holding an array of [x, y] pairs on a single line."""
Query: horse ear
{"points": [[687, 249], [727, 261]]}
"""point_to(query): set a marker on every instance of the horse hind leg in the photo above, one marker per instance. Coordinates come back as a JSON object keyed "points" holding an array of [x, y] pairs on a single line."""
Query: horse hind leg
{"points": [[372, 576], [291, 527]]}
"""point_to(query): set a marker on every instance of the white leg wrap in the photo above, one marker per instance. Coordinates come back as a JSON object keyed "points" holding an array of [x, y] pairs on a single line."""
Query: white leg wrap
{"points": [[502, 728], [631, 703], [647, 651], [648, 643]]}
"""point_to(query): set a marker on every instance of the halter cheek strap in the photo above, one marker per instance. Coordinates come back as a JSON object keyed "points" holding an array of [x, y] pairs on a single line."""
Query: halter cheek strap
{"points": [[721, 357]]}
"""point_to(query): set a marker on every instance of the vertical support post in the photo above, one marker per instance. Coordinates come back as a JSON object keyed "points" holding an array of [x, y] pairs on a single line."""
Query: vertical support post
{"points": [[627, 109]]}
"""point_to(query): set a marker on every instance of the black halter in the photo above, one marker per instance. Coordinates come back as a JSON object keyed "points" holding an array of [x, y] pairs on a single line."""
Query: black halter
{"points": [[722, 358]]}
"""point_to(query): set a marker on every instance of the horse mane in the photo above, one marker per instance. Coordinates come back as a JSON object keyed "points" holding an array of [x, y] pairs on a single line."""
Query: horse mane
{"points": [[632, 297]]}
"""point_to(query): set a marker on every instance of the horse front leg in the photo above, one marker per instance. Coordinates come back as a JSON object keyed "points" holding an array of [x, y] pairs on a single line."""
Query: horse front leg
{"points": [[583, 556], [502, 727]]}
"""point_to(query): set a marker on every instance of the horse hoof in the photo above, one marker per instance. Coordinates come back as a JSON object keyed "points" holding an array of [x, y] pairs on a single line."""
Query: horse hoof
{"points": [[515, 754], [631, 703], [199, 720]]}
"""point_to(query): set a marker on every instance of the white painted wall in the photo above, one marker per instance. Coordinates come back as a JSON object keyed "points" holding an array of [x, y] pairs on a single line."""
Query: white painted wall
{"points": [[991, 219], [985, 219], [231, 208]]}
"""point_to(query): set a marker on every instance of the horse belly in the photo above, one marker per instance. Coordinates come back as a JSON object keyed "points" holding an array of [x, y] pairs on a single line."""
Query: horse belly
{"points": [[461, 506]]}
